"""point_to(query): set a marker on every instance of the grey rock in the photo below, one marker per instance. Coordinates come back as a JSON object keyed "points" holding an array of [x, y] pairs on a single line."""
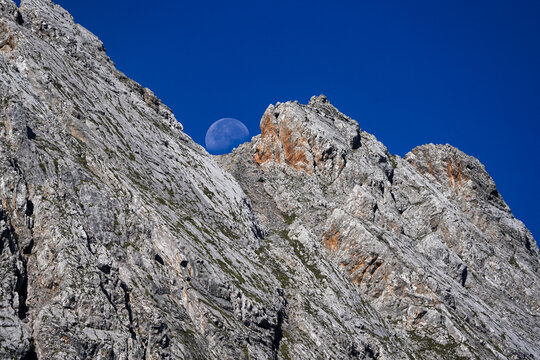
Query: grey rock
{"points": [[121, 238], [427, 240]]}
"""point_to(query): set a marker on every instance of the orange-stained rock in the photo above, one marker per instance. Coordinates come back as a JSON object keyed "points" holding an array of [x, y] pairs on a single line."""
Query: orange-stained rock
{"points": [[293, 143], [282, 139], [291, 136], [265, 149], [331, 240]]}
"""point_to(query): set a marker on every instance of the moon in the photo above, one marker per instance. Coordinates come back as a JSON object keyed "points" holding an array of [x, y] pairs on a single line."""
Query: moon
{"points": [[224, 135]]}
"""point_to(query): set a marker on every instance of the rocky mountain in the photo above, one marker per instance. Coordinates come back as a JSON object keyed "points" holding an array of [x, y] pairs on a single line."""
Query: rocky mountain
{"points": [[121, 238]]}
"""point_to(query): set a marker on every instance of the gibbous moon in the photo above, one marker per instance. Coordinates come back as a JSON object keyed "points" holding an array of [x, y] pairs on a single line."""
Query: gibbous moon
{"points": [[224, 135]]}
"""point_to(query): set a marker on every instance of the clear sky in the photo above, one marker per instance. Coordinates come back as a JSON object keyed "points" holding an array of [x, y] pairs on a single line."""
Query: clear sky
{"points": [[461, 72]]}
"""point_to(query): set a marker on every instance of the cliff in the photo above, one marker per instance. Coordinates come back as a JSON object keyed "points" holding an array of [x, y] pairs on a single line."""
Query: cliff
{"points": [[121, 238]]}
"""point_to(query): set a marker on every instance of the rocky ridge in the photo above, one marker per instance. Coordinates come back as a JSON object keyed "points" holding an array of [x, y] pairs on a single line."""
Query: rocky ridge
{"points": [[427, 239], [121, 238]]}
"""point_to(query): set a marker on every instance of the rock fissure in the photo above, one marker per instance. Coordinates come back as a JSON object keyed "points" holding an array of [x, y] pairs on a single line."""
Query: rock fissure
{"points": [[127, 304]]}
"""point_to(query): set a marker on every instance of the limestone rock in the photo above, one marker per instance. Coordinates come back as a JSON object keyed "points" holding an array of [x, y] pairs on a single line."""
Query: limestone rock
{"points": [[121, 238], [427, 240]]}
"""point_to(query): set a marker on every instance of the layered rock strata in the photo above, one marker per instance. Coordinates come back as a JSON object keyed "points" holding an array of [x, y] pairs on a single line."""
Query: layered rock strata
{"points": [[121, 238]]}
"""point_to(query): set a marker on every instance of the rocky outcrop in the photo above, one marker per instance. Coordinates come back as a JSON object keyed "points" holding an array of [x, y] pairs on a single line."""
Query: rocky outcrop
{"points": [[427, 240], [289, 135], [121, 238]]}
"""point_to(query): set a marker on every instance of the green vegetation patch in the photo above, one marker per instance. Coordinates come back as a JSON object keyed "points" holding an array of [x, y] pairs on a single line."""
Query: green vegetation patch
{"points": [[513, 262], [289, 218], [229, 271], [301, 253], [393, 161], [428, 345], [209, 194]]}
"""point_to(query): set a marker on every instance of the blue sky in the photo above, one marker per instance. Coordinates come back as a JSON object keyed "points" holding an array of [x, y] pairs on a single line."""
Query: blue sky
{"points": [[465, 73]]}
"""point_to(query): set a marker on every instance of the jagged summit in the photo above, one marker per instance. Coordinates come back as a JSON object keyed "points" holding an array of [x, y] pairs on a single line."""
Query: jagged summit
{"points": [[121, 238], [427, 234], [321, 99], [455, 170], [304, 137]]}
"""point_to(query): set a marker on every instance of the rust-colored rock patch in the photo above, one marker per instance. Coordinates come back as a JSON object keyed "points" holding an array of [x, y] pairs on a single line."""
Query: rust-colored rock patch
{"points": [[293, 144], [282, 141], [455, 174], [268, 147], [332, 240]]}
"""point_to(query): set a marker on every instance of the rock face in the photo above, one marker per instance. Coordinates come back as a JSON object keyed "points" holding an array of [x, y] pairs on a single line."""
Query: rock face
{"points": [[120, 238], [426, 240]]}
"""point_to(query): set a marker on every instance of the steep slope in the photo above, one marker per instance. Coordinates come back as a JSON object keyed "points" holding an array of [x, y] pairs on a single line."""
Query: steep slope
{"points": [[121, 238], [427, 239]]}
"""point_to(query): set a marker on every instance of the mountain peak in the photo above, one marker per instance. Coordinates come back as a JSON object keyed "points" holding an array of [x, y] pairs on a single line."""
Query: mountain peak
{"points": [[121, 238], [318, 100], [461, 174], [312, 138], [391, 223]]}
